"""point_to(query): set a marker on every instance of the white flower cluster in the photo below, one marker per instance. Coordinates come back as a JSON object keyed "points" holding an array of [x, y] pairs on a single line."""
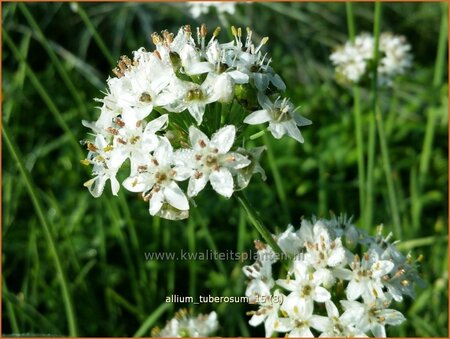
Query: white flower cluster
{"points": [[152, 119], [199, 8], [184, 325], [329, 290], [353, 60]]}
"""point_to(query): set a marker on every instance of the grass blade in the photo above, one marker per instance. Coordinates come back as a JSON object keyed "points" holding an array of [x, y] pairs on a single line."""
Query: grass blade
{"points": [[67, 300]]}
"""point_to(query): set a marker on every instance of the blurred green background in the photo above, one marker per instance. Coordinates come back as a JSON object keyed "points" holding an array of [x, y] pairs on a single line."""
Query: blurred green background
{"points": [[74, 265]]}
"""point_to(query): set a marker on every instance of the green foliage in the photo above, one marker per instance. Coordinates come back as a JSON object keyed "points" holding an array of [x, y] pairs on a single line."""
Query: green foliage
{"points": [[75, 265]]}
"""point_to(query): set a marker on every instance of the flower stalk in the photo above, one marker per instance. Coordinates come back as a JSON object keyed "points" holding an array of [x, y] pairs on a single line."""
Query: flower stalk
{"points": [[257, 223]]}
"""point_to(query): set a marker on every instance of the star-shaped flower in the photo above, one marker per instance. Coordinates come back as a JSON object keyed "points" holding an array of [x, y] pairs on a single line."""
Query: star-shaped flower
{"points": [[281, 116]]}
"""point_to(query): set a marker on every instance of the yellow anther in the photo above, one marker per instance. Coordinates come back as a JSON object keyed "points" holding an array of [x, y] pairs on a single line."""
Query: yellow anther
{"points": [[203, 30], [217, 31], [89, 183]]}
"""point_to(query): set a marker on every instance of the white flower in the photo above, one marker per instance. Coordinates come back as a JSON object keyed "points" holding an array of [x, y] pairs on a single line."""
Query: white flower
{"points": [[374, 316], [322, 250], [185, 325], [260, 273], [104, 168], [301, 318], [397, 57], [185, 75], [157, 181], [305, 287], [289, 242], [337, 326], [281, 116], [365, 276], [194, 97], [136, 143], [370, 284], [268, 313], [352, 59], [243, 175], [198, 8], [211, 160]]}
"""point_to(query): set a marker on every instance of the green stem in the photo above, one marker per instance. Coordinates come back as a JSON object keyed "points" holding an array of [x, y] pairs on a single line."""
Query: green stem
{"points": [[60, 68], [96, 36], [10, 310], [350, 20], [359, 146], [437, 81], [44, 95], [46, 227], [388, 173], [372, 123], [257, 135], [257, 222], [277, 178], [144, 329], [193, 264], [322, 194], [358, 118], [420, 242]]}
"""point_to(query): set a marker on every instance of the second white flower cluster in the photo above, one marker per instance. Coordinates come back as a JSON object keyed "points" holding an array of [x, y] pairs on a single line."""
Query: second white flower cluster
{"points": [[354, 60], [329, 290]]}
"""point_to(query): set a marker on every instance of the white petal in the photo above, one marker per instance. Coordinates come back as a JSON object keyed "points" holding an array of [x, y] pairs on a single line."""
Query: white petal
{"points": [[182, 172], [332, 310], [318, 322], [277, 129], [157, 124], [156, 202], [336, 257], [354, 290], [100, 141], [222, 182], [378, 330], [164, 152], [134, 184], [301, 121], [302, 332], [301, 270], [321, 294], [238, 77], [199, 68], [393, 317], [342, 273], [196, 185], [381, 268], [197, 138], [117, 158], [257, 117], [264, 102], [279, 325], [238, 160], [223, 139], [115, 186], [278, 82], [289, 284], [292, 130], [256, 320], [197, 110], [97, 185], [175, 196], [261, 81]]}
